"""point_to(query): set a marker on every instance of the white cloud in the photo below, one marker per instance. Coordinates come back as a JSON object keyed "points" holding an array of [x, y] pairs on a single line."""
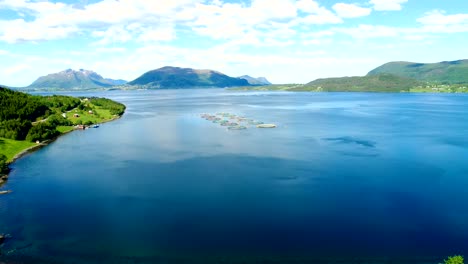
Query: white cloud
{"points": [[319, 34], [16, 69], [114, 34], [119, 21], [316, 14], [232, 21], [370, 31], [312, 42], [309, 6], [59, 20], [351, 10], [134, 31], [228, 21], [18, 30], [155, 34], [438, 17], [387, 5], [322, 19], [437, 22], [274, 9], [318, 38], [111, 50]]}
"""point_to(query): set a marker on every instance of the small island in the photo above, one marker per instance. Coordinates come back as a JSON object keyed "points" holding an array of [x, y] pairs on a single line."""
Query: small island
{"points": [[29, 121]]}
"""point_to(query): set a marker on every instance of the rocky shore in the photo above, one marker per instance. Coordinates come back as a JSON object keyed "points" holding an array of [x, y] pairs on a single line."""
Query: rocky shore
{"points": [[3, 179]]}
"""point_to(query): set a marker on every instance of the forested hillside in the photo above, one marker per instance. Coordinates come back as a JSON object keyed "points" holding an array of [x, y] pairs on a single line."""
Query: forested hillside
{"points": [[373, 83], [28, 118], [19, 111], [446, 72]]}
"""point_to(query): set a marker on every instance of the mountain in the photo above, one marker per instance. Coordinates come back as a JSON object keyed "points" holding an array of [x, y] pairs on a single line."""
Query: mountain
{"points": [[71, 79], [175, 77], [447, 72], [116, 82], [255, 81], [371, 83]]}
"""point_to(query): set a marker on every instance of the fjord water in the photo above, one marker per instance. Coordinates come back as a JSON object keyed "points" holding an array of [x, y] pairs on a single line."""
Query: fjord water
{"points": [[345, 178]]}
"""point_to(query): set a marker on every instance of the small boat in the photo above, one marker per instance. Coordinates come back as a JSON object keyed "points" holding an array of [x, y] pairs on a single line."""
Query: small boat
{"points": [[266, 126], [5, 192], [96, 126]]}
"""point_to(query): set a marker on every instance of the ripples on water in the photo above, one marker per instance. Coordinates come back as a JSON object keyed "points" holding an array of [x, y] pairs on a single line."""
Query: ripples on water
{"points": [[344, 178]]}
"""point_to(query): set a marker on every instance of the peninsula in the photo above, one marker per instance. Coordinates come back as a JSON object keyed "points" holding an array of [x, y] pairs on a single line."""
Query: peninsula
{"points": [[29, 121]]}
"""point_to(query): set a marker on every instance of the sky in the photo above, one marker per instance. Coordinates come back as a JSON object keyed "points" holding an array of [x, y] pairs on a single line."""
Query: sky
{"points": [[285, 41]]}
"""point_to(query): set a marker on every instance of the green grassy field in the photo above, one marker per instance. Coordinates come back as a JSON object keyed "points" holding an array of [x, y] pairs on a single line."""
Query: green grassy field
{"points": [[10, 148], [99, 115], [64, 129]]}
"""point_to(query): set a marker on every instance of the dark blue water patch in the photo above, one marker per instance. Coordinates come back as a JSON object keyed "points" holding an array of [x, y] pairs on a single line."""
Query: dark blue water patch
{"points": [[459, 142], [358, 154], [351, 140]]}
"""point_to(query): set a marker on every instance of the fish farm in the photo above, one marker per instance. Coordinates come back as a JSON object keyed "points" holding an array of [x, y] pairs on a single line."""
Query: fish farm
{"points": [[235, 122]]}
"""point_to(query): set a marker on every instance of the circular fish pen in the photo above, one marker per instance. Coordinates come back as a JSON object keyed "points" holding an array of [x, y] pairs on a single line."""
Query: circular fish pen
{"points": [[266, 126], [237, 128]]}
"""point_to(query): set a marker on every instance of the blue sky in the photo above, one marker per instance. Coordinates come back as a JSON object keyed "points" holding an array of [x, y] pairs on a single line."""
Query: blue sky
{"points": [[286, 41]]}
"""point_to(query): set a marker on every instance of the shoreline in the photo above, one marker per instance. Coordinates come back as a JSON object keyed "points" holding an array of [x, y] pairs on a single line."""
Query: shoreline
{"points": [[24, 152], [47, 142]]}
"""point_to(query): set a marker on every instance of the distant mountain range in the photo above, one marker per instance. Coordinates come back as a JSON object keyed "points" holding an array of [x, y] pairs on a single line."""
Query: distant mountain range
{"points": [[448, 72], [162, 78], [396, 77], [255, 81], [71, 79], [392, 76], [175, 77], [446, 76]]}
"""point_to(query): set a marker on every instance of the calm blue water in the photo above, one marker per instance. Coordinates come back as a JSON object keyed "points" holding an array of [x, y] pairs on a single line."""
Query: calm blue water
{"points": [[344, 178]]}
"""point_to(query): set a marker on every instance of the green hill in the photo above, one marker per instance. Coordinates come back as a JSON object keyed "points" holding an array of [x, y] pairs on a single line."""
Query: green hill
{"points": [[71, 79], [372, 83], [446, 72], [175, 77]]}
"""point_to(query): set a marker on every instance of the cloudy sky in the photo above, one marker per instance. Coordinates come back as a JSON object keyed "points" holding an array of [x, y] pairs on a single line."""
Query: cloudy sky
{"points": [[286, 41]]}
